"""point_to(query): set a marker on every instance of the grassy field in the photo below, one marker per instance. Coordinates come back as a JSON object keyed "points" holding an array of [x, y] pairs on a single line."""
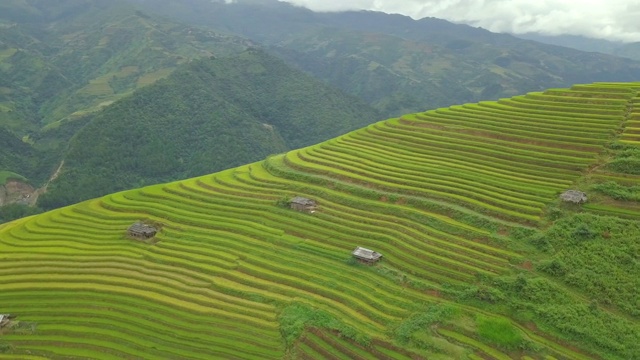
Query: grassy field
{"points": [[154, 76], [8, 175], [481, 261]]}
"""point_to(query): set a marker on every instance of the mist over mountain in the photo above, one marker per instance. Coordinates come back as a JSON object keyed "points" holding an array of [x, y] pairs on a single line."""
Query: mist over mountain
{"points": [[629, 50], [613, 20]]}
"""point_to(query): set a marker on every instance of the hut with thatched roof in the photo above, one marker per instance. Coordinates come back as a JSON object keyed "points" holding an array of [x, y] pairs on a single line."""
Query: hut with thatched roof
{"points": [[141, 231], [5, 319], [303, 204], [574, 196], [366, 255]]}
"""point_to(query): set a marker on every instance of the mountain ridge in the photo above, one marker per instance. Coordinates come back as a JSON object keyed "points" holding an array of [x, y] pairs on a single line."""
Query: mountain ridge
{"points": [[481, 64]]}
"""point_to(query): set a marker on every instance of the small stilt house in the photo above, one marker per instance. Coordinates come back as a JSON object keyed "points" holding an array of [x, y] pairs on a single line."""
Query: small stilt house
{"points": [[303, 204], [141, 231], [574, 196], [366, 255], [5, 319]]}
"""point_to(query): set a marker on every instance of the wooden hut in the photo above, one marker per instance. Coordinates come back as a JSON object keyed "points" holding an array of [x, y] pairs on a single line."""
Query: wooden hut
{"points": [[366, 255], [574, 196], [141, 231], [303, 204], [5, 319]]}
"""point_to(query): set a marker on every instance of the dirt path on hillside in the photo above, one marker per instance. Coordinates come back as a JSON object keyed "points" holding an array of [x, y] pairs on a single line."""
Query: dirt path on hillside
{"points": [[33, 199]]}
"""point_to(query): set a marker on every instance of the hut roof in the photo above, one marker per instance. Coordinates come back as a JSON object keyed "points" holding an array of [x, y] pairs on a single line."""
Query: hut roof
{"points": [[366, 254], [303, 201], [142, 228], [574, 196]]}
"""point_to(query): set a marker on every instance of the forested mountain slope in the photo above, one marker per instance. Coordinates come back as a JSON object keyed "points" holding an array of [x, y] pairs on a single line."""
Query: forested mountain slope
{"points": [[15, 154], [209, 115], [63, 62], [480, 257], [60, 60], [399, 64]]}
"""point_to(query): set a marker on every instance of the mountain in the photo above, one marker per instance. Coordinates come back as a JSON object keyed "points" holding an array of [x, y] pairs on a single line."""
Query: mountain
{"points": [[582, 43], [480, 256], [208, 115], [61, 62], [399, 64], [617, 48], [631, 51]]}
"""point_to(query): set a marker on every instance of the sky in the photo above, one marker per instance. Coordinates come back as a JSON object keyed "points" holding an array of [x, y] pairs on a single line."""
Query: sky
{"points": [[605, 19]]}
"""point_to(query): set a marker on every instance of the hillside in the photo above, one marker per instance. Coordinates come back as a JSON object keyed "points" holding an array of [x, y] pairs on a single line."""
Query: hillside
{"points": [[15, 154], [209, 115], [64, 63], [61, 60], [398, 64], [481, 259]]}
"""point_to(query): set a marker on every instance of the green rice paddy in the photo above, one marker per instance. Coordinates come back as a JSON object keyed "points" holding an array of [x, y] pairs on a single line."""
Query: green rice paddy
{"points": [[430, 191]]}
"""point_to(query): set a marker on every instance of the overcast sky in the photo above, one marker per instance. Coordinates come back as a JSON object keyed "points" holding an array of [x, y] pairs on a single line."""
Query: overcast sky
{"points": [[608, 19]]}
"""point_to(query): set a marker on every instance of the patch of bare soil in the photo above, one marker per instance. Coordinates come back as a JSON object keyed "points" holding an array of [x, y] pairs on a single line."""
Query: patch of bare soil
{"points": [[527, 265], [16, 192], [434, 293]]}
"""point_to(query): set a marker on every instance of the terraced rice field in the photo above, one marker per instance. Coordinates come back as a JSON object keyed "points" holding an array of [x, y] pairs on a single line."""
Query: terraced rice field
{"points": [[429, 191], [631, 134], [99, 87], [150, 78]]}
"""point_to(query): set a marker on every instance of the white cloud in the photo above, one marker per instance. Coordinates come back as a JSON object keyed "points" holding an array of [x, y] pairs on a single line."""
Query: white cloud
{"points": [[607, 19]]}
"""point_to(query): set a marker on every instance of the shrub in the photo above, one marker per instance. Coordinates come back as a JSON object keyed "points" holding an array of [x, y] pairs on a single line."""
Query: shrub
{"points": [[541, 242], [554, 267], [499, 331], [421, 321], [626, 161], [283, 202], [582, 232], [618, 192], [295, 317], [482, 293], [554, 213], [521, 233]]}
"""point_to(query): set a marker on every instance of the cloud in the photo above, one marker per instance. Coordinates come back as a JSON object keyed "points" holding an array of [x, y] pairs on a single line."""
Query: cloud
{"points": [[606, 19]]}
